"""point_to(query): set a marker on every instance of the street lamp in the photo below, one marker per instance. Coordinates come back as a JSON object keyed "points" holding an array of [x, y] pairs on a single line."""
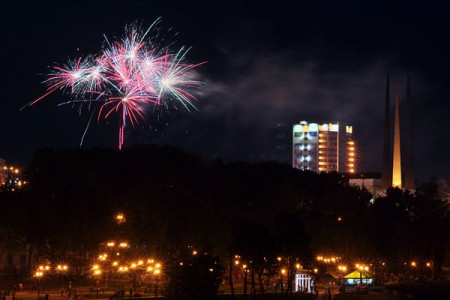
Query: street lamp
{"points": [[244, 268], [122, 270], [97, 273], [283, 271], [120, 218], [38, 275], [343, 270], [156, 272], [361, 268], [61, 268]]}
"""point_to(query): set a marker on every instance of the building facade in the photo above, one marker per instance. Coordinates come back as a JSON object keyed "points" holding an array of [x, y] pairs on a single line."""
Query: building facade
{"points": [[325, 147]]}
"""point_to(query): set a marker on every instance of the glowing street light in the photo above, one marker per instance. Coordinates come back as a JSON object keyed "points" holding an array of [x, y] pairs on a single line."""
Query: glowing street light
{"points": [[38, 275], [156, 272], [97, 272], [361, 268], [62, 268], [282, 272], [342, 268], [120, 218]]}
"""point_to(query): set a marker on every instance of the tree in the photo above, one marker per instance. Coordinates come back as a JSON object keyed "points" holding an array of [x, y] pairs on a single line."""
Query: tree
{"points": [[194, 277]]}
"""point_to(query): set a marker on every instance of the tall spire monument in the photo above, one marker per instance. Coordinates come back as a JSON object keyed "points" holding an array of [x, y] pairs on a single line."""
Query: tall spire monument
{"points": [[398, 167], [386, 171], [397, 157], [409, 181]]}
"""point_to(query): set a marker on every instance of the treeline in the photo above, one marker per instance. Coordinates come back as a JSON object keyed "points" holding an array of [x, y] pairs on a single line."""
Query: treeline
{"points": [[173, 200]]}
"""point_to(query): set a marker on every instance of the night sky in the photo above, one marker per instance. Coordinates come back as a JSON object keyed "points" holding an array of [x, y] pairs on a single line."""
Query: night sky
{"points": [[269, 62]]}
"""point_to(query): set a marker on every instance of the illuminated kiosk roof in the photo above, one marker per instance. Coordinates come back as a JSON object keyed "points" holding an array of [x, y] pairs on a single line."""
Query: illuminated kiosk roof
{"points": [[358, 275]]}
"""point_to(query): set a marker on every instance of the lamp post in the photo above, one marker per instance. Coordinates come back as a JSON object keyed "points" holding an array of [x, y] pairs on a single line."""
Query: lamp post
{"points": [[61, 270], [362, 268], [156, 272], [342, 269], [97, 273], [430, 272], [283, 271], [360, 275], [122, 270], [366, 268], [38, 275]]}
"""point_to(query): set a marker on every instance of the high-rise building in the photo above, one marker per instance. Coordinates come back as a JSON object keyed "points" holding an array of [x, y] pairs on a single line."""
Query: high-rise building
{"points": [[323, 147]]}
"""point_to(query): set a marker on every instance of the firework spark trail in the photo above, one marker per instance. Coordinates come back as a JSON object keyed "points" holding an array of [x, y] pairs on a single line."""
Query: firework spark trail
{"points": [[125, 77]]}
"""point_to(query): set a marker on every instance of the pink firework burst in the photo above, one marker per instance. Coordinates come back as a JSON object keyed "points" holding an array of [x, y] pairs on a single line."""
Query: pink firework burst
{"points": [[126, 77]]}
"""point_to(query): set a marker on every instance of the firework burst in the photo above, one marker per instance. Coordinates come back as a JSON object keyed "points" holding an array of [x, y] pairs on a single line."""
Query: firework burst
{"points": [[126, 77]]}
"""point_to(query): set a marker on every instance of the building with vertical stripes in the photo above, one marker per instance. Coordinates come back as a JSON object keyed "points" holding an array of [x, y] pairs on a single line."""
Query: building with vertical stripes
{"points": [[325, 147]]}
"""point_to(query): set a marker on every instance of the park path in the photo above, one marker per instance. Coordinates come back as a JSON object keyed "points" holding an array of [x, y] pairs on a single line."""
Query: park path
{"points": [[53, 295], [369, 296]]}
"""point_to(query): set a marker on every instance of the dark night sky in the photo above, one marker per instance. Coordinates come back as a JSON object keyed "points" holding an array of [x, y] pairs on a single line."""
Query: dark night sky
{"points": [[268, 62]]}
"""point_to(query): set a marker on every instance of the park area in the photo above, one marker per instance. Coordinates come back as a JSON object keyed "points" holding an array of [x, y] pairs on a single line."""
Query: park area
{"points": [[402, 290]]}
